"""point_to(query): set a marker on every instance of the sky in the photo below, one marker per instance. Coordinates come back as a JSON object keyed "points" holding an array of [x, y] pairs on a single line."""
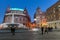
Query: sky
{"points": [[30, 5]]}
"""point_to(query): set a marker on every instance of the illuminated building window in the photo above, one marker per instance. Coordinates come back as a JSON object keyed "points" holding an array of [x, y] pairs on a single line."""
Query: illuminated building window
{"points": [[54, 10], [59, 9], [58, 5]]}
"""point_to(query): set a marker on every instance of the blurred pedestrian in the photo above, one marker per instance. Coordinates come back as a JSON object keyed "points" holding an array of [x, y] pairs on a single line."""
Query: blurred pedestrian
{"points": [[13, 30], [42, 30], [46, 29]]}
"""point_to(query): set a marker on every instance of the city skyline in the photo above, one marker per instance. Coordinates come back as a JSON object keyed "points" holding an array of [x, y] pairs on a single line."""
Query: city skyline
{"points": [[31, 6]]}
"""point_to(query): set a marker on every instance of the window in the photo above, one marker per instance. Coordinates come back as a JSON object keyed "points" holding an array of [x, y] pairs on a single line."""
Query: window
{"points": [[25, 12], [59, 9], [59, 17], [17, 12], [59, 6], [54, 10], [8, 18], [23, 19], [43, 16], [54, 15], [16, 19], [12, 11], [40, 12], [51, 16], [20, 19]]}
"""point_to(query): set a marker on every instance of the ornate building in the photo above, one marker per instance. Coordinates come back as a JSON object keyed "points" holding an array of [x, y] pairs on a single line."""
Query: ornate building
{"points": [[16, 16], [38, 17], [53, 15]]}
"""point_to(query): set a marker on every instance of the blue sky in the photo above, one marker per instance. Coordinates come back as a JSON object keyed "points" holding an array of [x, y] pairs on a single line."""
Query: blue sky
{"points": [[31, 6]]}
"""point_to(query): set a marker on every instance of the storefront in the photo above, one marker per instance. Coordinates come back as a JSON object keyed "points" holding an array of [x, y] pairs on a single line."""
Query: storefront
{"points": [[54, 24]]}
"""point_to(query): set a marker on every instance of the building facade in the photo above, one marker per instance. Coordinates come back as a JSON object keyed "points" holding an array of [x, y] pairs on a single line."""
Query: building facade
{"points": [[38, 17], [16, 16], [53, 15]]}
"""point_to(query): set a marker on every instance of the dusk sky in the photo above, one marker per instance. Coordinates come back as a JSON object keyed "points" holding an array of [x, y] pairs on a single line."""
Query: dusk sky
{"points": [[31, 6]]}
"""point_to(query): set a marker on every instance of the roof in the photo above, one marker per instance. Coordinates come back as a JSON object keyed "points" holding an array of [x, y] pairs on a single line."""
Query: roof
{"points": [[17, 9]]}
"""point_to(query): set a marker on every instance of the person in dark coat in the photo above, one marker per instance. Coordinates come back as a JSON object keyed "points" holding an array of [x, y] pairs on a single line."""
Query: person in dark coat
{"points": [[42, 30], [13, 30]]}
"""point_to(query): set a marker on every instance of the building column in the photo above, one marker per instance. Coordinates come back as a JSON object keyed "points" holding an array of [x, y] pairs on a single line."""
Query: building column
{"points": [[12, 18]]}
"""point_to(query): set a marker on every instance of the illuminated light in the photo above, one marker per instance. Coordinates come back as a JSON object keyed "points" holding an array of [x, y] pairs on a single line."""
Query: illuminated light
{"points": [[16, 9], [35, 19]]}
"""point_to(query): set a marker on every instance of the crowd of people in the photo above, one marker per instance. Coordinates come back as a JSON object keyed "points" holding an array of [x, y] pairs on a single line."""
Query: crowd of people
{"points": [[46, 29]]}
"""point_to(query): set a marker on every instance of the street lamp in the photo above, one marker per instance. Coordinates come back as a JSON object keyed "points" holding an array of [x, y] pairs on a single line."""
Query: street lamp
{"points": [[35, 29], [35, 20]]}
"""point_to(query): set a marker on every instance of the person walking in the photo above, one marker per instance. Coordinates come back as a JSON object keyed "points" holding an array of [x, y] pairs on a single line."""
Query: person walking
{"points": [[46, 29], [13, 30], [42, 30]]}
